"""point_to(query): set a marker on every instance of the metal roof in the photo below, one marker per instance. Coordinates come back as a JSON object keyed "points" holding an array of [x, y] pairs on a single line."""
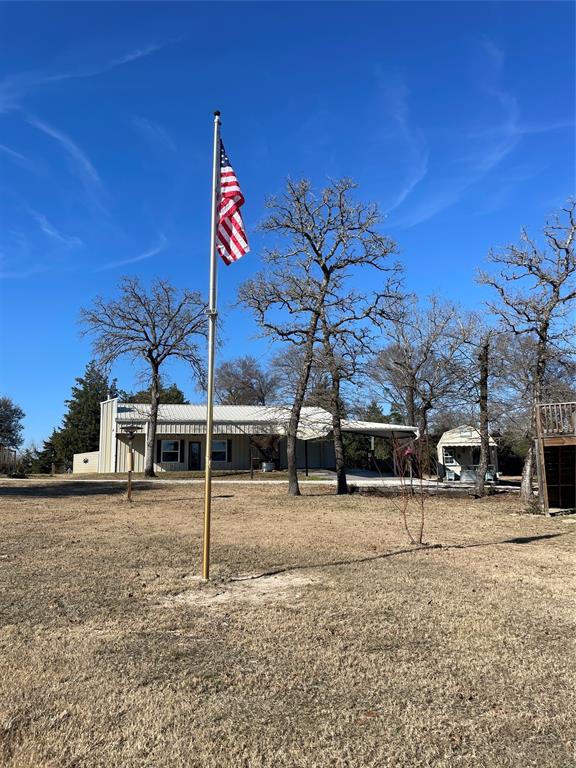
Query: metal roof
{"points": [[378, 429], [314, 423], [462, 436]]}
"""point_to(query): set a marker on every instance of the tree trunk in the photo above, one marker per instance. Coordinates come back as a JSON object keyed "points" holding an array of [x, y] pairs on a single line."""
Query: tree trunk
{"points": [[411, 405], [336, 411], [420, 461], [527, 474], [293, 486], [152, 424], [483, 354], [539, 372], [341, 482]]}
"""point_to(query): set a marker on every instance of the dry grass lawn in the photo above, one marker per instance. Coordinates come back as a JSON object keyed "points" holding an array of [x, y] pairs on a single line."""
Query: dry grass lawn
{"points": [[365, 653]]}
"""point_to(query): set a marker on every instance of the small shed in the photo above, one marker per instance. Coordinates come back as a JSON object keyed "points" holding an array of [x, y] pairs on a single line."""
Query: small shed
{"points": [[459, 455]]}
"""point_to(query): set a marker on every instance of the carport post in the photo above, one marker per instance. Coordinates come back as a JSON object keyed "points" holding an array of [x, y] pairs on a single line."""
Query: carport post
{"points": [[306, 456]]}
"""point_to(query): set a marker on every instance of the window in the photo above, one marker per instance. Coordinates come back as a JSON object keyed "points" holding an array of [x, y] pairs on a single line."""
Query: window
{"points": [[170, 450], [449, 457], [220, 450]]}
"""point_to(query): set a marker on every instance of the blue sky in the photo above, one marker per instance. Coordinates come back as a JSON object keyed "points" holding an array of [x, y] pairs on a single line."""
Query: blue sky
{"points": [[457, 118]]}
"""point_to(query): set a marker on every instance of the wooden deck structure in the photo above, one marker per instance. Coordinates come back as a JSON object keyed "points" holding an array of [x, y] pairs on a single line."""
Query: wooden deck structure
{"points": [[556, 455]]}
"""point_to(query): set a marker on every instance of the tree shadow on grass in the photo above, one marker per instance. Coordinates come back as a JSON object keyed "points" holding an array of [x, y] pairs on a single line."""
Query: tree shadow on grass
{"points": [[394, 553], [56, 490]]}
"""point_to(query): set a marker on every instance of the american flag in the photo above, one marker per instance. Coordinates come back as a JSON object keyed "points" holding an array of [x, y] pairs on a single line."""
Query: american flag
{"points": [[232, 241]]}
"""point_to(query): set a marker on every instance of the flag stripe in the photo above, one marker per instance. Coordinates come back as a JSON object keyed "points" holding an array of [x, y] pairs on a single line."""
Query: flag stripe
{"points": [[231, 235]]}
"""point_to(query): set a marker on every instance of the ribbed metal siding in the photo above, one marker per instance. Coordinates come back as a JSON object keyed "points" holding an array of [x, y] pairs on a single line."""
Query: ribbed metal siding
{"points": [[139, 446], [219, 429], [240, 449], [106, 457]]}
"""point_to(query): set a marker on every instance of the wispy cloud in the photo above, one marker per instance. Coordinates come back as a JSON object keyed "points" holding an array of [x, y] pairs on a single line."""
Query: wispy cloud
{"points": [[21, 274], [139, 53], [14, 88], [154, 133], [487, 147], [16, 262], [70, 241], [14, 155], [128, 58], [17, 157], [81, 164], [415, 145], [527, 129], [160, 246]]}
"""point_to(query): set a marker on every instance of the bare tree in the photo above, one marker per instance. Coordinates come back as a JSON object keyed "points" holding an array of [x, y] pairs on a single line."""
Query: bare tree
{"points": [[243, 381], [477, 352], [536, 290], [149, 327], [418, 369], [287, 366], [347, 337], [330, 236], [481, 377], [11, 427]]}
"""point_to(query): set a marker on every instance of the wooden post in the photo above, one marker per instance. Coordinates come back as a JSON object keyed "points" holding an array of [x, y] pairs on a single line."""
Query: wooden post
{"points": [[130, 468]]}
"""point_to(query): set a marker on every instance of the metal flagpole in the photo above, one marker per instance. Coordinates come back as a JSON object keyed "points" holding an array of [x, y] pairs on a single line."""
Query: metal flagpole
{"points": [[212, 315]]}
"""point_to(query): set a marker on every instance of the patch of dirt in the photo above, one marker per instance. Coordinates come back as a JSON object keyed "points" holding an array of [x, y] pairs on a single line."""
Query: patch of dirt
{"points": [[252, 589]]}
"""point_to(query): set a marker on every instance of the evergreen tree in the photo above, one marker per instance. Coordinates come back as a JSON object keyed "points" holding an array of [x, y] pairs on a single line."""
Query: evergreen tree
{"points": [[80, 431], [11, 426], [48, 455], [171, 395]]}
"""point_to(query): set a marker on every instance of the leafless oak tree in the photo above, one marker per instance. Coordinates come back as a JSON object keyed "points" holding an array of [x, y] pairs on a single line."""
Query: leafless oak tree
{"points": [[479, 367], [536, 293], [149, 327], [347, 332], [244, 381], [287, 366], [330, 236], [418, 369]]}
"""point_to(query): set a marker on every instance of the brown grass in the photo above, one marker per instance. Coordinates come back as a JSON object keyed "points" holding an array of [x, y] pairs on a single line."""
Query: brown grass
{"points": [[364, 652]]}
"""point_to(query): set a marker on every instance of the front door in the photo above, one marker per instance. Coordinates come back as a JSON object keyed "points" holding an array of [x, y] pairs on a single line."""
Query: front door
{"points": [[194, 455]]}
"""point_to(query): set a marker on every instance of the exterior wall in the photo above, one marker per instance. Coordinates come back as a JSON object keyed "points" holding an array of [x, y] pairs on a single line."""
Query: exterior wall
{"points": [[239, 450], [84, 463], [320, 453], [107, 457], [122, 450], [463, 457]]}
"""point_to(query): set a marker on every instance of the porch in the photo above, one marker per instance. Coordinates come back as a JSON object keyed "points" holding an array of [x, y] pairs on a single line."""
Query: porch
{"points": [[556, 455]]}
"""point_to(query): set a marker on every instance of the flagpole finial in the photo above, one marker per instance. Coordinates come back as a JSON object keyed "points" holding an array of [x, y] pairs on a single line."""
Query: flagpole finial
{"points": [[216, 113]]}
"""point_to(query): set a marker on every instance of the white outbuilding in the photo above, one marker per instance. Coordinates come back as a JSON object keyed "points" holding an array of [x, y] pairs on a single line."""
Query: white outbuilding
{"points": [[459, 455]]}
